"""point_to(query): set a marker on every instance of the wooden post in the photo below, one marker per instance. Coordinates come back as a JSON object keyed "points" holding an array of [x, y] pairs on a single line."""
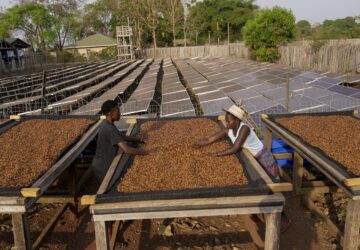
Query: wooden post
{"points": [[218, 34], [196, 38], [298, 172], [228, 31], [209, 37], [287, 100], [43, 92], [21, 231], [352, 225], [268, 138], [272, 234], [101, 235]]}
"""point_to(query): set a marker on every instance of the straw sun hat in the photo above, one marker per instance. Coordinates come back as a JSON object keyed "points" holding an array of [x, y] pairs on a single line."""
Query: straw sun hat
{"points": [[236, 111]]}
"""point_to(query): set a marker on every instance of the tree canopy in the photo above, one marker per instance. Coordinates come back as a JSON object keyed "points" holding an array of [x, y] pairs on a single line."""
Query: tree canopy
{"points": [[51, 24], [269, 29]]}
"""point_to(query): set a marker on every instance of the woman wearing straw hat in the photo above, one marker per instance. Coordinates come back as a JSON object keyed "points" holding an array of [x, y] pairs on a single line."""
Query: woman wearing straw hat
{"points": [[242, 136]]}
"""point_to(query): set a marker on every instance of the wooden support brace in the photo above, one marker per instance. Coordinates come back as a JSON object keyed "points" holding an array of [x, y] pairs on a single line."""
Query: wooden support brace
{"points": [[88, 200], [114, 233], [49, 226], [30, 192], [253, 230]]}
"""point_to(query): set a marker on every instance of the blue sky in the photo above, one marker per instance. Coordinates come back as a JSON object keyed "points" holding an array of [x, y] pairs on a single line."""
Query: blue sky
{"points": [[311, 10]]}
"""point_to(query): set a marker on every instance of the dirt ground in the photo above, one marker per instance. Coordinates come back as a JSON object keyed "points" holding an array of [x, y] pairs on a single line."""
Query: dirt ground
{"points": [[221, 232]]}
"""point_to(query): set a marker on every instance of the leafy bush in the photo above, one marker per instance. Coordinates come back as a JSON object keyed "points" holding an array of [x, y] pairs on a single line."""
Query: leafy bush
{"points": [[105, 54], [269, 29]]}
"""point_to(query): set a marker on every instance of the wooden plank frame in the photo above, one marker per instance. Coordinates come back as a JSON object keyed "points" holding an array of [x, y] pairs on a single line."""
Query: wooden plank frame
{"points": [[271, 205], [350, 186], [18, 204], [342, 179]]}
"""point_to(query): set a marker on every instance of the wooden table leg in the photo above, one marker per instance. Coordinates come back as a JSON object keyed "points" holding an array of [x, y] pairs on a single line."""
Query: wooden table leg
{"points": [[21, 231], [352, 225], [101, 235], [272, 234], [298, 173]]}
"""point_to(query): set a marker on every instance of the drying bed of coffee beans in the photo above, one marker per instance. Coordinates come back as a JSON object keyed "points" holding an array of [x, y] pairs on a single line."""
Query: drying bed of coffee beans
{"points": [[337, 136], [177, 164], [30, 148]]}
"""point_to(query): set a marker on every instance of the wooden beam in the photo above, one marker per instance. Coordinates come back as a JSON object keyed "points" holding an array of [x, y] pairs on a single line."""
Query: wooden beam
{"points": [[30, 192], [352, 182], [280, 187], [268, 139], [352, 225], [131, 121], [21, 229], [253, 200], [272, 233], [15, 117], [221, 118], [283, 156], [88, 200], [161, 214], [298, 172], [55, 199]]}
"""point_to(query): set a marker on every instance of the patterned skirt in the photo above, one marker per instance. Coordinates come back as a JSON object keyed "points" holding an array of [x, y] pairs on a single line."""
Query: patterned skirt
{"points": [[267, 161]]}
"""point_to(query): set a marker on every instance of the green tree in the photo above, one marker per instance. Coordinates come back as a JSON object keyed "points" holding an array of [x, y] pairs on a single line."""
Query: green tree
{"points": [[102, 16], [304, 28], [174, 15], [214, 16], [65, 21], [33, 19], [269, 29]]}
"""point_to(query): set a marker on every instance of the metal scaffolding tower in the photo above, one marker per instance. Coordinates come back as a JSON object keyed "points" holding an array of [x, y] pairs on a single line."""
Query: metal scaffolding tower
{"points": [[124, 36]]}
